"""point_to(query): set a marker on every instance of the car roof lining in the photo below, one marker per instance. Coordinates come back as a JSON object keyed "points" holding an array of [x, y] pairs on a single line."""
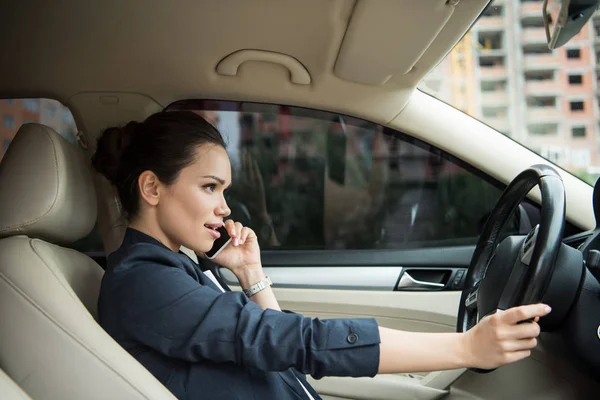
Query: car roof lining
{"points": [[170, 51]]}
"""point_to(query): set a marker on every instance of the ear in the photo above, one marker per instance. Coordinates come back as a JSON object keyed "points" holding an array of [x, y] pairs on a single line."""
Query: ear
{"points": [[149, 186]]}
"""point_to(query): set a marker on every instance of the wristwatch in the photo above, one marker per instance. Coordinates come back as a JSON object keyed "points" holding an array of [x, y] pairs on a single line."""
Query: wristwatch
{"points": [[257, 287]]}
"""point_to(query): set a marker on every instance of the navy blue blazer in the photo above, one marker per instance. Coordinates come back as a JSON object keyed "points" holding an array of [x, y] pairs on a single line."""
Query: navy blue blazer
{"points": [[202, 343]]}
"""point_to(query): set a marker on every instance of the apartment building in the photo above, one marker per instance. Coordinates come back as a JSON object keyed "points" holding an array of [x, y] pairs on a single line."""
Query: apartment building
{"points": [[503, 73]]}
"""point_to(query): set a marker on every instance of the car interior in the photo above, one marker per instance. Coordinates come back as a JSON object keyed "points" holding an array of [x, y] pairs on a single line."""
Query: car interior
{"points": [[339, 65]]}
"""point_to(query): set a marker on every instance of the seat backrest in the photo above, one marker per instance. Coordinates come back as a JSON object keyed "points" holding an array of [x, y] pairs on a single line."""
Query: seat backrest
{"points": [[50, 342]]}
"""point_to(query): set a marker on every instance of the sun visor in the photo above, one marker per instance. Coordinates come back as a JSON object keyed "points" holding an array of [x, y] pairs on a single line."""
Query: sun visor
{"points": [[387, 38]]}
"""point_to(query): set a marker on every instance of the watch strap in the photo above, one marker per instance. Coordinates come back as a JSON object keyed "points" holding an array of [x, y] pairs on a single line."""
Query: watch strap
{"points": [[257, 287]]}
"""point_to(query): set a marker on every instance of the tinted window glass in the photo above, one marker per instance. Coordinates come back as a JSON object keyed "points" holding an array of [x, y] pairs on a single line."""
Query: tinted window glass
{"points": [[313, 180]]}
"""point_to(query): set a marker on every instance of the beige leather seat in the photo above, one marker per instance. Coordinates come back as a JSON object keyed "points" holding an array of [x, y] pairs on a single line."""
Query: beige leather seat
{"points": [[50, 342], [9, 390]]}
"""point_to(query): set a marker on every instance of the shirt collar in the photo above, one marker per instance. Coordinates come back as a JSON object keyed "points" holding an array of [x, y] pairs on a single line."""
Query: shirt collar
{"points": [[133, 236]]}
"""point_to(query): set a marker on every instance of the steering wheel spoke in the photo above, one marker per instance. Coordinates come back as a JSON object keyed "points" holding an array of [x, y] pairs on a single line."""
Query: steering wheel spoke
{"points": [[471, 299]]}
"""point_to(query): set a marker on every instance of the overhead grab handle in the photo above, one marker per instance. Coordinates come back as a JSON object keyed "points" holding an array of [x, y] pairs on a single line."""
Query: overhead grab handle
{"points": [[298, 73]]}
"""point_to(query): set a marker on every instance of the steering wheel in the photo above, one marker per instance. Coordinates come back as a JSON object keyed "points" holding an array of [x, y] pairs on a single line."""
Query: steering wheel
{"points": [[518, 270]]}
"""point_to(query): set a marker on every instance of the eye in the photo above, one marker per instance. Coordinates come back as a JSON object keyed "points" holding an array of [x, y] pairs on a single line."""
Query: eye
{"points": [[210, 187]]}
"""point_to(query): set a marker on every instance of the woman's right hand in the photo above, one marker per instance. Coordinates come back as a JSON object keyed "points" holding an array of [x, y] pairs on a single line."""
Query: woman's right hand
{"points": [[500, 339]]}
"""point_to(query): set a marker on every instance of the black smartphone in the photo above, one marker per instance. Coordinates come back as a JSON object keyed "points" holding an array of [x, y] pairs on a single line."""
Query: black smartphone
{"points": [[219, 244]]}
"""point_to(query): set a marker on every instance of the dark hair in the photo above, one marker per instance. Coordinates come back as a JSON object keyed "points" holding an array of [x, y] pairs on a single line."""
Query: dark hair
{"points": [[165, 143]]}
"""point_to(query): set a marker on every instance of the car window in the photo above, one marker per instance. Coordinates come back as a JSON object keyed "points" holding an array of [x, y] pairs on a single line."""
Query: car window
{"points": [[16, 112], [311, 180]]}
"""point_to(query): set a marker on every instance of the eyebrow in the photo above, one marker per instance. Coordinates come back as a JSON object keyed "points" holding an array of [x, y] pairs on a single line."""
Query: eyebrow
{"points": [[221, 181]]}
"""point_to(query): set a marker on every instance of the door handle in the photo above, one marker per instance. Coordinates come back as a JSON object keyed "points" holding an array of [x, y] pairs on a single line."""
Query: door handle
{"points": [[408, 282]]}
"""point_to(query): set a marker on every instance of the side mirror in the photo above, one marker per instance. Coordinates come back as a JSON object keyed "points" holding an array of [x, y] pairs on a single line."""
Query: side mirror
{"points": [[563, 19]]}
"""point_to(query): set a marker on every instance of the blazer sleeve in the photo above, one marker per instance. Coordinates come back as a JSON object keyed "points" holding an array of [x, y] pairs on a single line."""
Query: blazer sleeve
{"points": [[163, 307]]}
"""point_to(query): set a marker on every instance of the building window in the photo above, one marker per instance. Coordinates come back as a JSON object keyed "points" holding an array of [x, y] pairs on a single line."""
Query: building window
{"points": [[578, 131], [491, 40], [576, 105], [541, 101], [539, 76], [536, 49], [574, 53], [493, 86], [9, 121], [543, 129], [575, 79]]}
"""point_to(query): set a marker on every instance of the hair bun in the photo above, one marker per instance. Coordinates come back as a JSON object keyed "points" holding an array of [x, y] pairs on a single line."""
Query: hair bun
{"points": [[112, 144]]}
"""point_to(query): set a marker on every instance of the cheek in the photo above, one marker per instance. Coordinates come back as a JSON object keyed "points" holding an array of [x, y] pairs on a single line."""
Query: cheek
{"points": [[200, 205]]}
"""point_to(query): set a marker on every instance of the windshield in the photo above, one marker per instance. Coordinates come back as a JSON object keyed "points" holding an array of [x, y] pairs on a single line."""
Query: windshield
{"points": [[503, 74]]}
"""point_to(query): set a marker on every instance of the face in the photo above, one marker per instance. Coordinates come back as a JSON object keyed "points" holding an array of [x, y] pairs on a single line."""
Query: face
{"points": [[188, 210]]}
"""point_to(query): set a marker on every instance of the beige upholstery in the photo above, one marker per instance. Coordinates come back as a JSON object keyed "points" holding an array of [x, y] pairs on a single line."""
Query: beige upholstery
{"points": [[10, 390], [45, 193], [50, 343]]}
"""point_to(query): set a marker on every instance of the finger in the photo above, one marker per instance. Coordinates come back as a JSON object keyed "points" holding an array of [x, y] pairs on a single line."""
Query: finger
{"points": [[519, 345], [524, 331], [517, 356], [238, 233], [246, 232], [230, 227], [522, 313]]}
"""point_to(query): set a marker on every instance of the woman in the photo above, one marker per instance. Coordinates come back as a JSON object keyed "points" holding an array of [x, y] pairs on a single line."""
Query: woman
{"points": [[171, 172]]}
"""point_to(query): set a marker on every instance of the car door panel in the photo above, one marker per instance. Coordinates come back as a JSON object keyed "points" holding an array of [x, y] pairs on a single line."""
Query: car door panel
{"points": [[366, 270], [305, 286]]}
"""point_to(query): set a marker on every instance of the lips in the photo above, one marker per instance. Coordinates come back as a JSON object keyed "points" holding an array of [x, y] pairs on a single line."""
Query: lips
{"points": [[212, 229]]}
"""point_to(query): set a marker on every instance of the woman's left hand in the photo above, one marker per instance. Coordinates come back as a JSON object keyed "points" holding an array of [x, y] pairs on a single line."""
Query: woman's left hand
{"points": [[242, 253]]}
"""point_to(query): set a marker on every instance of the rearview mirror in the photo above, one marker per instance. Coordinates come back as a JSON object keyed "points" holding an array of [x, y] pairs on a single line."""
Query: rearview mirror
{"points": [[563, 19]]}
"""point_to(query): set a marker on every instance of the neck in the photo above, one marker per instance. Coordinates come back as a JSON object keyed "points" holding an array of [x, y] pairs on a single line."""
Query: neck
{"points": [[154, 231]]}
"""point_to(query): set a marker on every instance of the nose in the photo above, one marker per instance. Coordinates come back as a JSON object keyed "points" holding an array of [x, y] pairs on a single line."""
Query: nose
{"points": [[223, 209]]}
